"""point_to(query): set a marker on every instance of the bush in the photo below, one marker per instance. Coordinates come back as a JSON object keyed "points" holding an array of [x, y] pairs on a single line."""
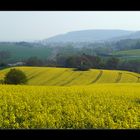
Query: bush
{"points": [[15, 76], [83, 68], [1, 81], [112, 63]]}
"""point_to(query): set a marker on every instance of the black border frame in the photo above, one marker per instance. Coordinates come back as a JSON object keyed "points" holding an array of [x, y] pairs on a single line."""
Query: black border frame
{"points": [[70, 5]]}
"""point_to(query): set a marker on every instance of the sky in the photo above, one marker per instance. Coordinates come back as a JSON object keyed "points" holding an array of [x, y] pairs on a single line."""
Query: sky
{"points": [[39, 25]]}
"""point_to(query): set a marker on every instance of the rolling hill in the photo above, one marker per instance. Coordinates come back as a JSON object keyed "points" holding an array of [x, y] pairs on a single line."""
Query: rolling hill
{"points": [[71, 99], [88, 36], [67, 76], [19, 52], [133, 35]]}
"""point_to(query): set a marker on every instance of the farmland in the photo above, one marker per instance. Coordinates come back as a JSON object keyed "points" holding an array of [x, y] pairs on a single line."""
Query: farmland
{"points": [[63, 98], [69, 70], [97, 106], [129, 52], [25, 52], [68, 77], [133, 54]]}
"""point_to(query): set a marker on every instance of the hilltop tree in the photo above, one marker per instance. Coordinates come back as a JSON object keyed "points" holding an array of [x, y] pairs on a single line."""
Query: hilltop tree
{"points": [[15, 76], [84, 63]]}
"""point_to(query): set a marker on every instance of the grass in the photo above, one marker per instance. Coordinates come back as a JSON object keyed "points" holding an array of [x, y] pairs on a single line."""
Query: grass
{"points": [[25, 52], [128, 52]]}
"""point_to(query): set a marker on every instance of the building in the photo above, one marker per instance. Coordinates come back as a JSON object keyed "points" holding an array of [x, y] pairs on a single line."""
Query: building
{"points": [[17, 64]]}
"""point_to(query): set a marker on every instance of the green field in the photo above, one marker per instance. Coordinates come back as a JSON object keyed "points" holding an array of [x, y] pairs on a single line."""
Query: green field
{"points": [[19, 53], [67, 76], [128, 54]]}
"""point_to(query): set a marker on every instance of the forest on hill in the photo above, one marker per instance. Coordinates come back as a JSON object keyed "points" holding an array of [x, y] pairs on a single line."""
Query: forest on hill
{"points": [[124, 54]]}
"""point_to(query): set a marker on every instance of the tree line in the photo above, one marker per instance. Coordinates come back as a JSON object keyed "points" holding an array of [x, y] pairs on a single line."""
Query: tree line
{"points": [[85, 62], [81, 61]]}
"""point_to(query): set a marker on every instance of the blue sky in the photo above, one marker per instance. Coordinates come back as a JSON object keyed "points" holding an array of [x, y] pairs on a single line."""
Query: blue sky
{"points": [[36, 25]]}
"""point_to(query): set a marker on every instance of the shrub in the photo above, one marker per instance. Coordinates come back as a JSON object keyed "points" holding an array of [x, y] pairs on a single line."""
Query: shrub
{"points": [[82, 68], [15, 76], [1, 81]]}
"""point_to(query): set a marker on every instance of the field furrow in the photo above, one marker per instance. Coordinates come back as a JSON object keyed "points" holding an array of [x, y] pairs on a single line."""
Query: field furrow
{"points": [[68, 76], [98, 77], [119, 77]]}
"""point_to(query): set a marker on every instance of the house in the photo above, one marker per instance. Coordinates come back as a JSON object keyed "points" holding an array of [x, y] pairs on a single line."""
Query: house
{"points": [[17, 64]]}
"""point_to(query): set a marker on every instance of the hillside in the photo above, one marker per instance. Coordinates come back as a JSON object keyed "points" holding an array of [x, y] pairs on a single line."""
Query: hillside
{"points": [[67, 76], [128, 54], [88, 36], [19, 52], [133, 35]]}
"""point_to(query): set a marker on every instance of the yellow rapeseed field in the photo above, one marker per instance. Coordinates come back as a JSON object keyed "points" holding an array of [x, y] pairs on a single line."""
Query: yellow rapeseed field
{"points": [[64, 98], [67, 76], [97, 106]]}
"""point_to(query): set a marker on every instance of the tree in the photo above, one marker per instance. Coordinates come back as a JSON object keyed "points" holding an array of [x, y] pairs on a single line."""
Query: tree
{"points": [[93, 61], [34, 61], [71, 62], [130, 65], [3, 64], [84, 66], [84, 63], [15, 76], [4, 55], [112, 63]]}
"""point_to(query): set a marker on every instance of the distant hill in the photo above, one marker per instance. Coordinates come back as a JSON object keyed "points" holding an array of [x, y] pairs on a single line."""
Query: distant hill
{"points": [[133, 35], [92, 42], [87, 36], [67, 76]]}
